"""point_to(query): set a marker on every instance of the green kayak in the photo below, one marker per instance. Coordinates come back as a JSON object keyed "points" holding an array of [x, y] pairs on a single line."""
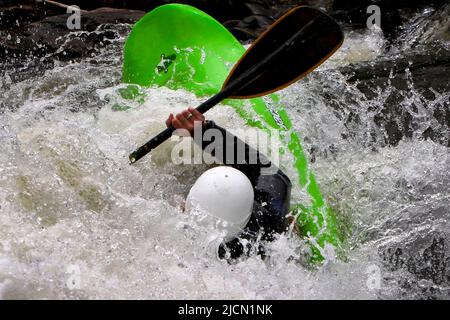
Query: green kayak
{"points": [[181, 47]]}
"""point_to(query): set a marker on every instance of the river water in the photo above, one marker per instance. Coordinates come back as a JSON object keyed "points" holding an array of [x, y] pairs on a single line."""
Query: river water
{"points": [[77, 221]]}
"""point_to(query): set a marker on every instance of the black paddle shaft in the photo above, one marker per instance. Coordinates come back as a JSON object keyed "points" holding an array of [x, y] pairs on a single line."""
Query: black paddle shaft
{"points": [[167, 133], [244, 80]]}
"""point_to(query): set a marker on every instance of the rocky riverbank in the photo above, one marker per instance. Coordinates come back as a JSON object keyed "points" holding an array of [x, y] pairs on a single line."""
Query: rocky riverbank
{"points": [[34, 35], [36, 26]]}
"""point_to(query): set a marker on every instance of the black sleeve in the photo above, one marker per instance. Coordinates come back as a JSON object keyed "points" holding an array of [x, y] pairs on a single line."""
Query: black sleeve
{"points": [[251, 163], [272, 191]]}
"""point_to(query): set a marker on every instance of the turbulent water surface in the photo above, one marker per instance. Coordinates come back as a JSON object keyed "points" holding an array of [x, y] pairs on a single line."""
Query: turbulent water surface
{"points": [[77, 221]]}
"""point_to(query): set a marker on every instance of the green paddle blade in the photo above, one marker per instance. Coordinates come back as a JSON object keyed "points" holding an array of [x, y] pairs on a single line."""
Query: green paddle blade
{"points": [[299, 42]]}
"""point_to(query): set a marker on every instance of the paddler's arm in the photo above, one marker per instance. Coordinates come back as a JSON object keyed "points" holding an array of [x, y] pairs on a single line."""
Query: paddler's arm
{"points": [[272, 187], [252, 163]]}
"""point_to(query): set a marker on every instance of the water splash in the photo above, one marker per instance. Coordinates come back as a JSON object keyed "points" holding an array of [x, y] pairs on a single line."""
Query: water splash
{"points": [[68, 196]]}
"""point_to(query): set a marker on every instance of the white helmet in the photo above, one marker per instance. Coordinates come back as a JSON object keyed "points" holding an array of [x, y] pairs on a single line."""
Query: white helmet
{"points": [[226, 194]]}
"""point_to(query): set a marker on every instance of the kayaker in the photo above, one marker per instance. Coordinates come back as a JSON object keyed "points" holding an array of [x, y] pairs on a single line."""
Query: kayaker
{"points": [[269, 194]]}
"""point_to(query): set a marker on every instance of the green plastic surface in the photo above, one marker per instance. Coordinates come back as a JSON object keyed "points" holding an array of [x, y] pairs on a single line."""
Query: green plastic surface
{"points": [[181, 47]]}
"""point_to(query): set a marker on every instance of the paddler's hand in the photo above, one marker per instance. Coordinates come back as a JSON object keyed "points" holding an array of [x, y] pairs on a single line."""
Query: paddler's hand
{"points": [[186, 120]]}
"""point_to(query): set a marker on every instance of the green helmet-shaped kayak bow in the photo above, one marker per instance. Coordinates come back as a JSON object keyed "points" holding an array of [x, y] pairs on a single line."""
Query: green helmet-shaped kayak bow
{"points": [[181, 47]]}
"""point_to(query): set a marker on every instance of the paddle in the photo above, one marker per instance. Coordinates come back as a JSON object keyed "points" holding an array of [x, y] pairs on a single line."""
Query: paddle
{"points": [[292, 47]]}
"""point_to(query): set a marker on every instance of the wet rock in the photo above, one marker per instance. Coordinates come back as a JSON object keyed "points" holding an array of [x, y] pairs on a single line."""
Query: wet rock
{"points": [[411, 82], [325, 5], [431, 26], [428, 68], [221, 10], [51, 36], [260, 18], [17, 16], [262, 14], [246, 19], [420, 266], [30, 31], [31, 49], [393, 13]]}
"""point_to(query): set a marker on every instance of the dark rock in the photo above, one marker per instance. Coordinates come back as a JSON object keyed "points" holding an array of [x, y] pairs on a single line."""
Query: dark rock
{"points": [[432, 26], [52, 36], [259, 15], [246, 19], [18, 16], [354, 12], [30, 31], [90, 20], [425, 260], [326, 5], [428, 68], [422, 74], [221, 10]]}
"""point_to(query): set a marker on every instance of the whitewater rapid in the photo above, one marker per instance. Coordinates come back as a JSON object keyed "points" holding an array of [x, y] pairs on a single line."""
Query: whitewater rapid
{"points": [[77, 221]]}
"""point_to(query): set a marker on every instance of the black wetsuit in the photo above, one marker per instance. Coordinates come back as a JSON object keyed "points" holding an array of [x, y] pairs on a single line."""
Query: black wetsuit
{"points": [[272, 195]]}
